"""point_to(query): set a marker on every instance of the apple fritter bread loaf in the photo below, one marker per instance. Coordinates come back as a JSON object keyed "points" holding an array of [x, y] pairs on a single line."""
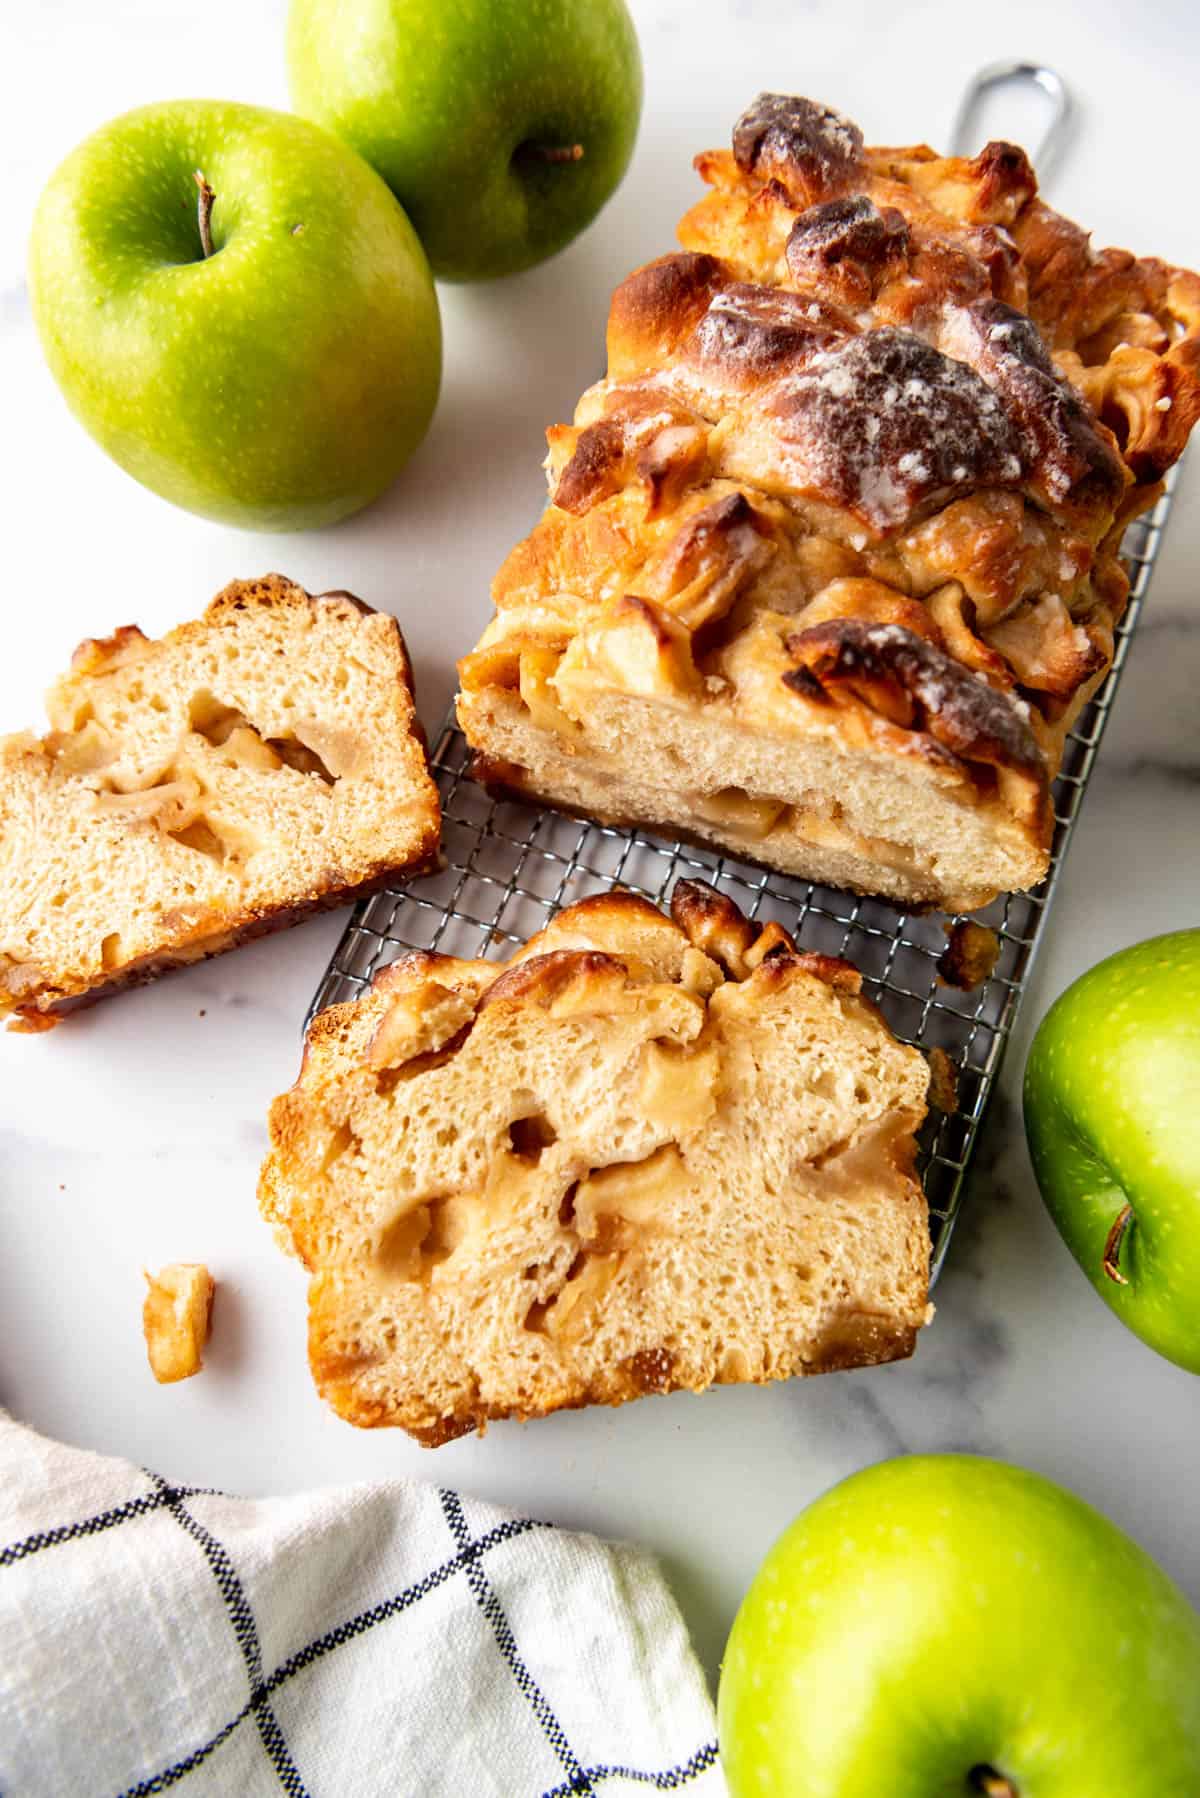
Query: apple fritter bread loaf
{"points": [[257, 764], [831, 560], [642, 1155]]}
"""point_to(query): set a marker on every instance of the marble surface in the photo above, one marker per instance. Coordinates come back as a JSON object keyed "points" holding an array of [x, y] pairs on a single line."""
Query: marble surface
{"points": [[133, 1135]]}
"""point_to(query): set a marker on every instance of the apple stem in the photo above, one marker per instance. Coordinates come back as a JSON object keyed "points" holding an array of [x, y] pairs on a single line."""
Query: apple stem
{"points": [[551, 152], [1112, 1245], [992, 1784], [204, 206]]}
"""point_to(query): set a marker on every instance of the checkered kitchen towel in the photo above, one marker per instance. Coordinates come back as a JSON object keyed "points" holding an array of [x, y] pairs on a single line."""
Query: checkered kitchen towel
{"points": [[391, 1639]]}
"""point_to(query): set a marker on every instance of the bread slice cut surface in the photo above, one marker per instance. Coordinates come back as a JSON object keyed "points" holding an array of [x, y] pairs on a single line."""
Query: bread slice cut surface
{"points": [[259, 763], [647, 1153]]}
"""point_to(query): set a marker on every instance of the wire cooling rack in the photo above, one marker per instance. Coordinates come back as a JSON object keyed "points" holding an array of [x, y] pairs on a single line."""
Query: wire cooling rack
{"points": [[509, 867]]}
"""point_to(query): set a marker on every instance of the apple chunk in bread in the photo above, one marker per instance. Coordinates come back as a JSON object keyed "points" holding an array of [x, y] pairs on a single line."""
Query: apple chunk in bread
{"points": [[176, 1316], [647, 1153]]}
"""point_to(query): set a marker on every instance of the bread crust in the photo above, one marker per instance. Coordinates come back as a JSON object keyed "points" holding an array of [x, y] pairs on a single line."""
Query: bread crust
{"points": [[875, 389], [36, 994], [37, 1018], [510, 1183]]}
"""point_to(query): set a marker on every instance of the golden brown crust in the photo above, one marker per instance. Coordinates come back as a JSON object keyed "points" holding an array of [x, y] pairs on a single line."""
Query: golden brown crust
{"points": [[97, 655], [876, 385], [810, 150], [848, 248], [542, 979], [659, 306], [832, 969], [916, 685], [714, 924]]}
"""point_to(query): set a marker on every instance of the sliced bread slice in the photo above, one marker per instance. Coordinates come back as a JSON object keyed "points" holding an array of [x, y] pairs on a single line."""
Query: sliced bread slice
{"points": [[257, 764], [644, 1154]]}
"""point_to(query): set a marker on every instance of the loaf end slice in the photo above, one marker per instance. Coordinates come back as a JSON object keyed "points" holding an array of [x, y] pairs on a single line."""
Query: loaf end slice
{"points": [[259, 763], [648, 1153]]}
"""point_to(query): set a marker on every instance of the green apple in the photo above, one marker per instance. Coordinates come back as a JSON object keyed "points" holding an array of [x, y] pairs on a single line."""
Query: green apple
{"points": [[238, 311], [502, 126], [942, 1625], [1112, 1112]]}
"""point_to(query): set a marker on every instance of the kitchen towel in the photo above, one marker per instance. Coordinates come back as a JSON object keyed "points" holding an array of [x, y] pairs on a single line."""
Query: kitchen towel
{"points": [[389, 1639]]}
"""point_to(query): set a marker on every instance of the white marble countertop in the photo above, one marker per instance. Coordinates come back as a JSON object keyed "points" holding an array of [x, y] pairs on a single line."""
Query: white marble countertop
{"points": [[133, 1135]]}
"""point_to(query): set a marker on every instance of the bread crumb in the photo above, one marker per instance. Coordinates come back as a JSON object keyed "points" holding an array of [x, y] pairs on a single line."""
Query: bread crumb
{"points": [[970, 956], [28, 1022], [175, 1319], [943, 1082]]}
